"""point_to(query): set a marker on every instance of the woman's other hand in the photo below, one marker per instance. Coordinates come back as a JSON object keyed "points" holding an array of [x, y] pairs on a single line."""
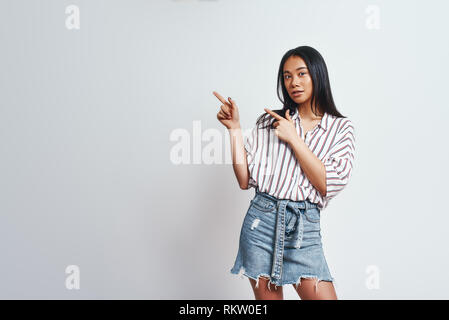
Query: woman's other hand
{"points": [[229, 113]]}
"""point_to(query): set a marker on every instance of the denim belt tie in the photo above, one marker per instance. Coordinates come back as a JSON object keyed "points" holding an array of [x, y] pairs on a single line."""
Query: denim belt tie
{"points": [[294, 224]]}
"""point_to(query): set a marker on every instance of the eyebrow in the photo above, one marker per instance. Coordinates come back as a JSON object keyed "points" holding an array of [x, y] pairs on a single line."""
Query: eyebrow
{"points": [[296, 69]]}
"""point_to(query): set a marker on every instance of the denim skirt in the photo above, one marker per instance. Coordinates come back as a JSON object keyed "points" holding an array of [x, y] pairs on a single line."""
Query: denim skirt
{"points": [[280, 239]]}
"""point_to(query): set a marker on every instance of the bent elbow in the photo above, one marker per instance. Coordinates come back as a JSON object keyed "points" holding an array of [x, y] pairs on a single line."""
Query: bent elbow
{"points": [[323, 192], [244, 186]]}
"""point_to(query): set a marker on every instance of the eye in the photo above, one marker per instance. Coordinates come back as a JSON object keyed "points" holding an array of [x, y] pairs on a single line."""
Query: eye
{"points": [[286, 76], [302, 73]]}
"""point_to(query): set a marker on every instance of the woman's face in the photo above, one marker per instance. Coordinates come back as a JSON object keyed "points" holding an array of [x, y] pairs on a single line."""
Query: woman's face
{"points": [[297, 77]]}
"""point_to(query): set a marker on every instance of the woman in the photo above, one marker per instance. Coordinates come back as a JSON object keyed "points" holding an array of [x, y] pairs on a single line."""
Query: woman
{"points": [[297, 159]]}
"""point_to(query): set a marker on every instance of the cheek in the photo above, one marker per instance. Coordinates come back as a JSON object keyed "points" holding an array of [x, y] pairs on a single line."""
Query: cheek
{"points": [[309, 89], [309, 85]]}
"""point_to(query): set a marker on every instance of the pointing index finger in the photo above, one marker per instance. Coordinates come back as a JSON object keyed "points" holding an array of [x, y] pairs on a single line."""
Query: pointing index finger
{"points": [[220, 98], [274, 114]]}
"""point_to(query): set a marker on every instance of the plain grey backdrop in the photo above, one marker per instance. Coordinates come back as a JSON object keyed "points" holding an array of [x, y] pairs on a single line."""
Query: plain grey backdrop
{"points": [[87, 176]]}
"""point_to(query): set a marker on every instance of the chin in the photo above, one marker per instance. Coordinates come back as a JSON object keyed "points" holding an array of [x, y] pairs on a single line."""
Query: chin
{"points": [[299, 100]]}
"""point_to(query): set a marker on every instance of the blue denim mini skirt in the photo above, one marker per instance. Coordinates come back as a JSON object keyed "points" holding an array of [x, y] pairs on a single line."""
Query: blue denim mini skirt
{"points": [[280, 239]]}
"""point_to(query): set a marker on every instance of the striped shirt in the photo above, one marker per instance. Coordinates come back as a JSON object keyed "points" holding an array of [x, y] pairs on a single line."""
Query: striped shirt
{"points": [[275, 170]]}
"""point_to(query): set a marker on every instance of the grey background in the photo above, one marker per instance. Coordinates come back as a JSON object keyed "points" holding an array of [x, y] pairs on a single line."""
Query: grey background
{"points": [[85, 120]]}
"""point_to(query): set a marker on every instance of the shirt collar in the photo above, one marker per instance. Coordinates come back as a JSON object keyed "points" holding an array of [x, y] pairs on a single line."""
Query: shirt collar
{"points": [[323, 122]]}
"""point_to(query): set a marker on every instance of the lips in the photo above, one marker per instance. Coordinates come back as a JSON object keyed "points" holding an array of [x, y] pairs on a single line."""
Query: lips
{"points": [[297, 93]]}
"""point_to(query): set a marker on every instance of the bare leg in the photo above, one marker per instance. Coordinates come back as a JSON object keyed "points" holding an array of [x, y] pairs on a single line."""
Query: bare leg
{"points": [[263, 293], [308, 290]]}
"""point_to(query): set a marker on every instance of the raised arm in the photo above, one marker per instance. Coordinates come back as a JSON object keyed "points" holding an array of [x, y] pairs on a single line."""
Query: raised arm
{"points": [[229, 117], [239, 157]]}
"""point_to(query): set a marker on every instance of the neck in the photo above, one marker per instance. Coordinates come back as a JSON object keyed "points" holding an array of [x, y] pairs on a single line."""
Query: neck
{"points": [[305, 112]]}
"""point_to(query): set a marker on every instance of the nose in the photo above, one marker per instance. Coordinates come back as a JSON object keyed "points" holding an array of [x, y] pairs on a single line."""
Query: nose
{"points": [[296, 81]]}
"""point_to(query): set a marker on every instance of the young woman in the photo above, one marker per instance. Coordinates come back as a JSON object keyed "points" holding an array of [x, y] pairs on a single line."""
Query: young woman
{"points": [[297, 159]]}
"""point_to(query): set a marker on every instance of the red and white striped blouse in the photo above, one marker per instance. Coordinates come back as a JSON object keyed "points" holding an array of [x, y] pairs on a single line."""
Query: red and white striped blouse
{"points": [[275, 170]]}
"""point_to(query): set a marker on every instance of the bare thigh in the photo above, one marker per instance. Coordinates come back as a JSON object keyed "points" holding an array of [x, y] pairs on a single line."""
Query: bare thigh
{"points": [[263, 293], [324, 291]]}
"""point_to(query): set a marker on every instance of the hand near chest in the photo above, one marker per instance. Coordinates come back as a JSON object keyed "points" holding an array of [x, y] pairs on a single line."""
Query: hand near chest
{"points": [[285, 128]]}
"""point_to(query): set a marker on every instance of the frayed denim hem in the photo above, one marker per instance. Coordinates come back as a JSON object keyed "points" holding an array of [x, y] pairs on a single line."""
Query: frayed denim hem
{"points": [[242, 272]]}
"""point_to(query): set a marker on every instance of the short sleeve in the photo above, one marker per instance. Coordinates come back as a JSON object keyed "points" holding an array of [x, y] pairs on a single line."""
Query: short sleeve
{"points": [[340, 161], [251, 148]]}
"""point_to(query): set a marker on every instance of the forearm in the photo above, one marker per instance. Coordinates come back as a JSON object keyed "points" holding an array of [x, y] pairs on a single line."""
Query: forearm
{"points": [[239, 161], [312, 167]]}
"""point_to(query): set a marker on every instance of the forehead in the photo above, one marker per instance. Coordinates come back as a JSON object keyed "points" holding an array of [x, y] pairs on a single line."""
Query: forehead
{"points": [[293, 63]]}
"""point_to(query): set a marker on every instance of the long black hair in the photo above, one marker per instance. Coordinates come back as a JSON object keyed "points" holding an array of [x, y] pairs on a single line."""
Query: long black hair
{"points": [[322, 95]]}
